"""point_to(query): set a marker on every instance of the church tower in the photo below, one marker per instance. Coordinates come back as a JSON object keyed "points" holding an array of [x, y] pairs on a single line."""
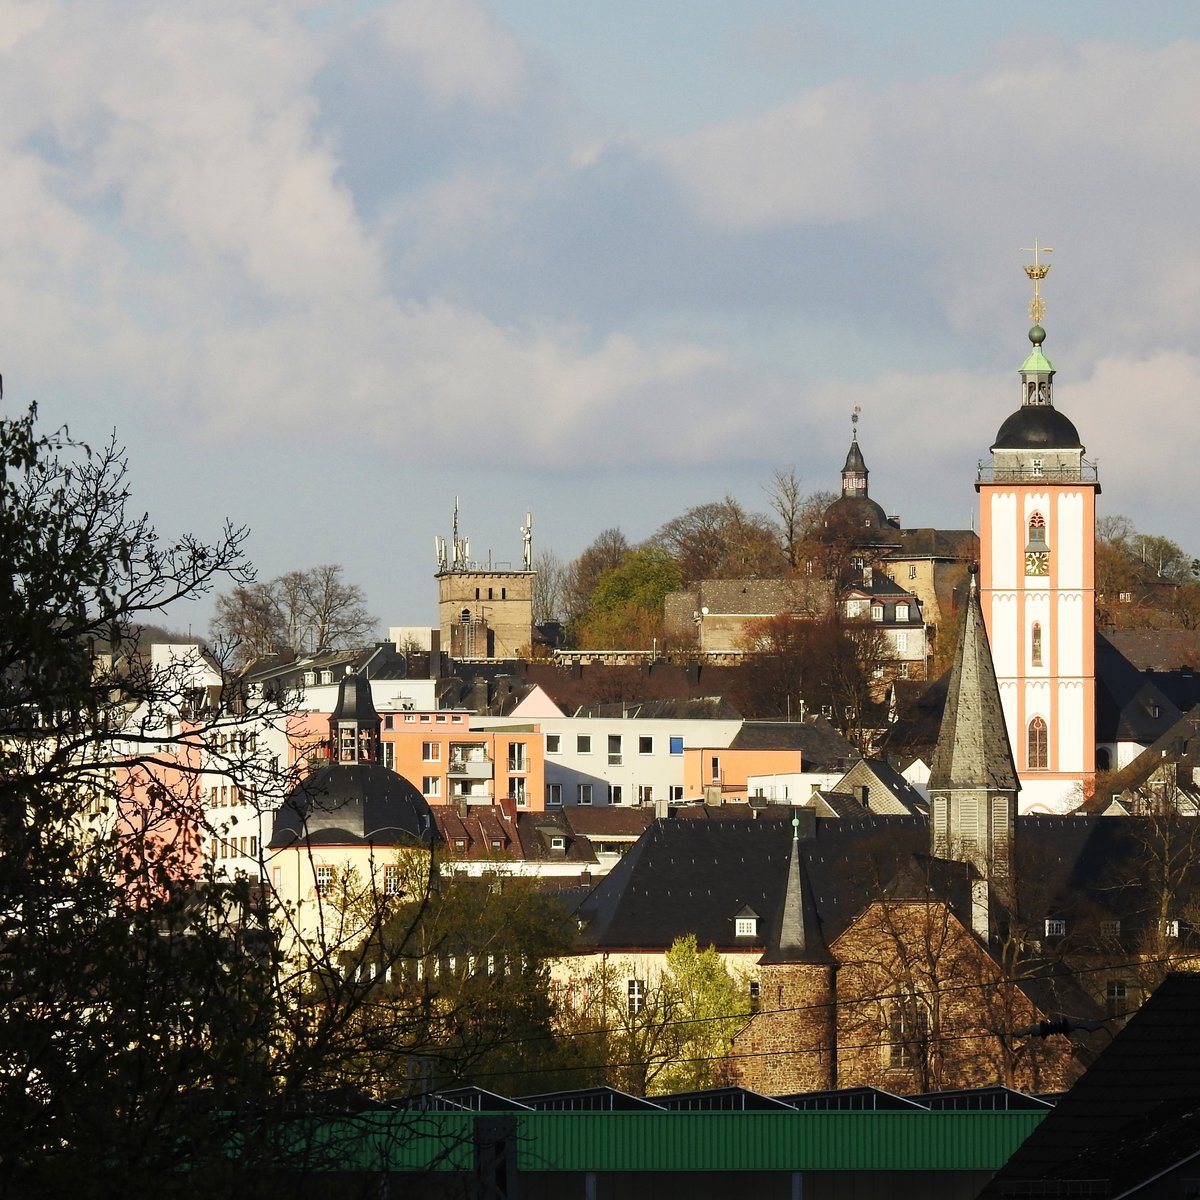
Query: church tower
{"points": [[1037, 529]]}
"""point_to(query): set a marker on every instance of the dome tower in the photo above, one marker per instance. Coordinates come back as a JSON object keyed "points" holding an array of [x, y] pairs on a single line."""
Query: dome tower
{"points": [[1037, 528]]}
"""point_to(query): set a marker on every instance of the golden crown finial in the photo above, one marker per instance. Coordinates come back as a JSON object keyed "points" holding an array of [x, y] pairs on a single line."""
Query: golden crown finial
{"points": [[1037, 271]]}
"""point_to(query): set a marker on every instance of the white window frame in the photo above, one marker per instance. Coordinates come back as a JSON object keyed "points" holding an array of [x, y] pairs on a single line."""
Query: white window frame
{"points": [[583, 793], [745, 926], [431, 786], [554, 795], [583, 743], [554, 743], [431, 751]]}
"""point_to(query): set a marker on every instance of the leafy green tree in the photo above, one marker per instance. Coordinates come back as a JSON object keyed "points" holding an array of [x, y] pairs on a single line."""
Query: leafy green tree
{"points": [[627, 603]]}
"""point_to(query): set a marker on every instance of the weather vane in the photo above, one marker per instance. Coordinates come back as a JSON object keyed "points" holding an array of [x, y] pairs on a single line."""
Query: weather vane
{"points": [[1037, 271], [854, 421]]}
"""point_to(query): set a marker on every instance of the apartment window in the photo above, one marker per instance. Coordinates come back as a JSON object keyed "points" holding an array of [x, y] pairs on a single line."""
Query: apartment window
{"points": [[902, 670], [902, 642], [755, 995], [645, 745], [1038, 744], [393, 881], [324, 880], [583, 743], [389, 755], [553, 741], [716, 769], [410, 716], [616, 794], [645, 793], [745, 926], [677, 745], [876, 612], [1171, 929], [553, 793], [1035, 644], [389, 720], [1055, 927], [431, 751], [583, 793], [1116, 998], [516, 789], [614, 749], [677, 791], [901, 612], [516, 756], [635, 992], [431, 785], [254, 847]]}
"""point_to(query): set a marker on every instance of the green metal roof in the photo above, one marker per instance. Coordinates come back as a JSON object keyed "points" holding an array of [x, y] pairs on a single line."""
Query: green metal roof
{"points": [[681, 1141], [1037, 363]]}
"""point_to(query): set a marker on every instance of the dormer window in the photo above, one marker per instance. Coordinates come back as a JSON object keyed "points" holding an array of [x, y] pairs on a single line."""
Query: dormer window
{"points": [[901, 612], [558, 843], [876, 612], [1055, 927], [745, 926], [326, 676], [310, 678]]}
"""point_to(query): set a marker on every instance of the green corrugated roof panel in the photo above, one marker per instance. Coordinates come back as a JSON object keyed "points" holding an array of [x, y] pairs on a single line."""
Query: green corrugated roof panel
{"points": [[767, 1141]]}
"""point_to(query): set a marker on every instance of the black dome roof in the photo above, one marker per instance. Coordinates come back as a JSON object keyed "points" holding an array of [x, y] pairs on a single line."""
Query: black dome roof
{"points": [[354, 803], [1038, 427], [856, 515]]}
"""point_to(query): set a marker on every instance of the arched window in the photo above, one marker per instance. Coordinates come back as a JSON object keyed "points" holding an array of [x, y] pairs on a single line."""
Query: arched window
{"points": [[1103, 759], [1039, 739], [1035, 644], [1037, 531]]}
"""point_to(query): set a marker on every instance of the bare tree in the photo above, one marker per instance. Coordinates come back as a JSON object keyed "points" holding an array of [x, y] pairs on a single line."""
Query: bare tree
{"points": [[549, 588], [721, 540], [607, 551], [787, 503], [297, 612]]}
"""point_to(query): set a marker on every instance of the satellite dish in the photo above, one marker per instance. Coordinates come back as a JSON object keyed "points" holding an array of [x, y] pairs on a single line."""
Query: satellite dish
{"points": [[704, 612]]}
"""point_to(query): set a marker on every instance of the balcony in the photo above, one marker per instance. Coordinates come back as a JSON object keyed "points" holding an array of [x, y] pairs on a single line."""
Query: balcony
{"points": [[473, 766], [1086, 472]]}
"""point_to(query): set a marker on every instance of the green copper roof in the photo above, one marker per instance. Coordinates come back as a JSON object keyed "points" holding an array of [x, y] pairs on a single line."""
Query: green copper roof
{"points": [[1037, 362]]}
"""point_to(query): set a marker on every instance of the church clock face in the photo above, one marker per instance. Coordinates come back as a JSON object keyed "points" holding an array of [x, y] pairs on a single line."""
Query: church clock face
{"points": [[1037, 562]]}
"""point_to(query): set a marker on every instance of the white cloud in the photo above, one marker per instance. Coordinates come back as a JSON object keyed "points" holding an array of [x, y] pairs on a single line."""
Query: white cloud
{"points": [[457, 49]]}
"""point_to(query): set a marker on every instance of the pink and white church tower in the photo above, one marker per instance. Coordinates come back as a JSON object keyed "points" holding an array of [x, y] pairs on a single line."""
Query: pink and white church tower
{"points": [[1037, 531]]}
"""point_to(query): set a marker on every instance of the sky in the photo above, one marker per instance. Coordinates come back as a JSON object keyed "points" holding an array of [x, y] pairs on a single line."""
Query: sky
{"points": [[326, 266]]}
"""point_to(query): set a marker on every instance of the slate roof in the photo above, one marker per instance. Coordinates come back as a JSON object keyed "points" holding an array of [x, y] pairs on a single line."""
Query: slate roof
{"points": [[972, 751], [957, 544], [820, 744], [1157, 649], [1132, 1116], [353, 804], [694, 876], [878, 775], [1177, 748], [1131, 704]]}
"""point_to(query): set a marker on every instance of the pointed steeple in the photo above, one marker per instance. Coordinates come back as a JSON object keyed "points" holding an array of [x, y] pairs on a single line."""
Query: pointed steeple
{"points": [[854, 473], [795, 935], [973, 750], [973, 778]]}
